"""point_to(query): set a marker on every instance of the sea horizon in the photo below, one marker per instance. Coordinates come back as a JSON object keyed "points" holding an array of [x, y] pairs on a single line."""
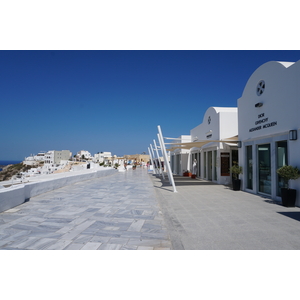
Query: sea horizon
{"points": [[4, 163]]}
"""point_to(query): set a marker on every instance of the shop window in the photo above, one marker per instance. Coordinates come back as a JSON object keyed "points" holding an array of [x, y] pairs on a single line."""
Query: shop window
{"points": [[172, 163], [225, 164], [199, 165], [282, 160], [204, 164], [177, 164], [209, 156], [196, 157], [264, 168], [249, 167], [215, 165]]}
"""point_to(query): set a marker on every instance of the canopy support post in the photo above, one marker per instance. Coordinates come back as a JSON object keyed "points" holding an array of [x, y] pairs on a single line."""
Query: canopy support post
{"points": [[163, 149]]}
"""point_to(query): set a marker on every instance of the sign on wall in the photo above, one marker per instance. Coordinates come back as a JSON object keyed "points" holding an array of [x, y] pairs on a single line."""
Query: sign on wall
{"points": [[262, 122]]}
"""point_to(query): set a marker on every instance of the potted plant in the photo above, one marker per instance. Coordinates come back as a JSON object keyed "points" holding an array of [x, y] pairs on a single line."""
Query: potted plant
{"points": [[288, 196], [236, 170], [187, 173]]}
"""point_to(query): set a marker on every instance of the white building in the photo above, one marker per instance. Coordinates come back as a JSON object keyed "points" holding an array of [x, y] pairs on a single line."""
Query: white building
{"points": [[83, 153], [213, 144], [34, 159], [268, 124], [179, 157], [102, 157], [214, 157], [40, 156], [57, 157]]}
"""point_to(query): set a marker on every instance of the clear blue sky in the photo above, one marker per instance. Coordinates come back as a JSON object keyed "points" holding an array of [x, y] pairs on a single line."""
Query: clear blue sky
{"points": [[114, 100]]}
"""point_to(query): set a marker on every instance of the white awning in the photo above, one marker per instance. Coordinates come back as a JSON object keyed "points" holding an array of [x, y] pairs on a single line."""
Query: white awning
{"points": [[200, 144]]}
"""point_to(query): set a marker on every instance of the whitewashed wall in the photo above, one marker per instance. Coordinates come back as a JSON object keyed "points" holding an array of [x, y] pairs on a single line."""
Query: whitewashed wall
{"points": [[274, 119]]}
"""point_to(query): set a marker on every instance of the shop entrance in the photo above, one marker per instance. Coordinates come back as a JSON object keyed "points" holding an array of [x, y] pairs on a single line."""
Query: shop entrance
{"points": [[264, 168], [177, 164], [197, 157], [282, 160], [209, 165]]}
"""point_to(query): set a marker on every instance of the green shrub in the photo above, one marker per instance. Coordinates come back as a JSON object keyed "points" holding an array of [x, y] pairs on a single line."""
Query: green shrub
{"points": [[288, 173], [236, 170]]}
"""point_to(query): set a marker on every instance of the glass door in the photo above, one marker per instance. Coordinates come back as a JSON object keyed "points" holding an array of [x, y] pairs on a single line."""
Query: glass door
{"points": [[205, 164], [199, 165], [264, 168], [209, 165], [177, 164], [249, 167], [282, 160], [196, 157], [215, 165]]}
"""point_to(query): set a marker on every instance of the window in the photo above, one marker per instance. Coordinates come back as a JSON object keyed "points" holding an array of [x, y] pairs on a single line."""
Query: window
{"points": [[199, 165], [225, 164], [209, 164], [215, 165], [260, 88], [249, 167], [264, 168], [205, 164], [282, 160]]}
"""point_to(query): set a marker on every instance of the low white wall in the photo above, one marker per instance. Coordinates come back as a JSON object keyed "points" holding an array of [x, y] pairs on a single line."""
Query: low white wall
{"points": [[18, 194], [11, 197]]}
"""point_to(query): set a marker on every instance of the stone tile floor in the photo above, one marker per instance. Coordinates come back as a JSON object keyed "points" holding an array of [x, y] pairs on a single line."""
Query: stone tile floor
{"points": [[111, 213], [208, 216], [135, 210]]}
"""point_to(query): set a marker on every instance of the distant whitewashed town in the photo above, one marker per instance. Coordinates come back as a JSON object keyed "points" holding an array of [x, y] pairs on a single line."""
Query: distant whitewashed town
{"points": [[62, 161]]}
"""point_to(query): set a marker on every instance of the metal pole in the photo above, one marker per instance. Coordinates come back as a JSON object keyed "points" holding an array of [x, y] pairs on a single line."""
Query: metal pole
{"points": [[163, 148], [160, 142], [160, 166], [151, 159], [153, 156]]}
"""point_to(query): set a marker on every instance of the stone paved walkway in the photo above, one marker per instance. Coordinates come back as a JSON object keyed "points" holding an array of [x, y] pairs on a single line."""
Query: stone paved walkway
{"points": [[208, 216], [115, 212], [136, 210]]}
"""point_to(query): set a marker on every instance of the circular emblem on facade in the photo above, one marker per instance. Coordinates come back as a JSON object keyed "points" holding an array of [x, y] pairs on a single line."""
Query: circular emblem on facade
{"points": [[260, 88], [209, 120]]}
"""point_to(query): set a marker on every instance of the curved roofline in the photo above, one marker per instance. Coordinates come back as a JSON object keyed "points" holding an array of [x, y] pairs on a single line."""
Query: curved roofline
{"points": [[280, 64], [223, 109]]}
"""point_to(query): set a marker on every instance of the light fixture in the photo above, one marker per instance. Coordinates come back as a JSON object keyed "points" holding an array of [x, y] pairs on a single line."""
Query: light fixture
{"points": [[293, 135], [259, 104], [239, 144]]}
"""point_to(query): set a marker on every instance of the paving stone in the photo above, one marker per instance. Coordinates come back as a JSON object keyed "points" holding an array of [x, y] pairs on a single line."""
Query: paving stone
{"points": [[74, 246], [41, 244], [144, 248], [59, 245], [136, 225], [91, 246], [100, 239], [82, 239], [110, 247], [24, 243], [126, 247]]}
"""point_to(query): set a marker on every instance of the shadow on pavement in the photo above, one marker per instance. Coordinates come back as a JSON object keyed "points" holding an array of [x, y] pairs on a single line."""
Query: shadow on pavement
{"points": [[182, 181], [291, 214]]}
